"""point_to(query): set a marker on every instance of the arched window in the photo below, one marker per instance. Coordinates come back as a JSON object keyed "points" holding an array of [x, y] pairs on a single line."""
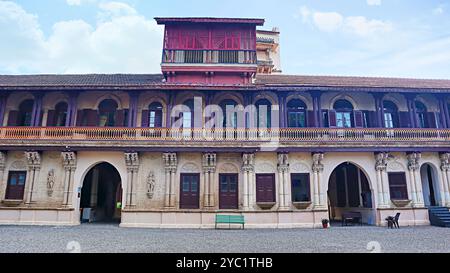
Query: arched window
{"points": [[188, 116], [60, 114], [296, 110], [155, 115], [391, 119], [264, 110], [230, 116], [107, 113], [344, 111], [421, 112], [25, 113]]}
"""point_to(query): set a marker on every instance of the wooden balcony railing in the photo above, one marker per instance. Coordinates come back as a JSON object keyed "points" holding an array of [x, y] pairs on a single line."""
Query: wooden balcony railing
{"points": [[318, 135], [209, 56]]}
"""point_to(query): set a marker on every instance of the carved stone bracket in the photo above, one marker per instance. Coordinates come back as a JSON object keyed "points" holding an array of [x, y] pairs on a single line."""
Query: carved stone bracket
{"points": [[413, 161], [317, 165], [445, 161], [381, 161], [248, 162]]}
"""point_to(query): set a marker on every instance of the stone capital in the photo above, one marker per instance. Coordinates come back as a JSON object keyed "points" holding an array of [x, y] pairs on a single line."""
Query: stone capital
{"points": [[413, 161], [445, 161], [131, 160], [381, 161], [317, 165], [69, 159], [33, 159]]}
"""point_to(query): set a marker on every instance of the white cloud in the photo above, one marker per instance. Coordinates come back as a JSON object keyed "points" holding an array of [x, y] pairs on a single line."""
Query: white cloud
{"points": [[327, 21], [373, 2], [438, 11], [79, 2], [123, 41], [334, 21]]}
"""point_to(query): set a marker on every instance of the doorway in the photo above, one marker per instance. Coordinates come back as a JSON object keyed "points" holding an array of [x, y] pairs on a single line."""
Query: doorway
{"points": [[228, 191], [101, 195], [430, 185]]}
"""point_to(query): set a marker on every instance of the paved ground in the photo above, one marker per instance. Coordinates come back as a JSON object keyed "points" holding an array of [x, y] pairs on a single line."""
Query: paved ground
{"points": [[111, 238]]}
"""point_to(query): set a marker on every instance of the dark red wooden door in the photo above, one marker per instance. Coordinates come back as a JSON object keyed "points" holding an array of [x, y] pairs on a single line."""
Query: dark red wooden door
{"points": [[228, 191], [189, 191], [16, 185], [265, 188]]}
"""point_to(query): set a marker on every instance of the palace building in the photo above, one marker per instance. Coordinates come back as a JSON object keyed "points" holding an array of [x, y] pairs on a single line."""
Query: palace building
{"points": [[220, 130]]}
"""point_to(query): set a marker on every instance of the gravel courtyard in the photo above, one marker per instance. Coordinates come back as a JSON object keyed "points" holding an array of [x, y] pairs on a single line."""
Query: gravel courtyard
{"points": [[111, 238]]}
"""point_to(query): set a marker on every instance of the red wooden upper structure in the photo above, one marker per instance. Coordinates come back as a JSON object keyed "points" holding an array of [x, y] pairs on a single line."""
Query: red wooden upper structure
{"points": [[209, 50]]}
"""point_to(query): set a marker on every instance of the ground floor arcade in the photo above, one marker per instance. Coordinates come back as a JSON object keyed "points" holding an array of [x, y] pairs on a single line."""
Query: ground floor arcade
{"points": [[273, 190]]}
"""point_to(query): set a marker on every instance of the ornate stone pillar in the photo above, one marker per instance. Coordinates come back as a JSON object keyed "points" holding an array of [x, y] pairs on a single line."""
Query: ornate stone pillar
{"points": [[132, 163], [283, 171], [248, 168], [416, 183], [209, 163], [317, 168], [2, 173], [445, 169], [170, 166], [34, 167], [69, 162], [382, 179]]}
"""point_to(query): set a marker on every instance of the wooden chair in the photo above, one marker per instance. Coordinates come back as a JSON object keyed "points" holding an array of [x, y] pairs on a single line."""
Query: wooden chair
{"points": [[393, 221]]}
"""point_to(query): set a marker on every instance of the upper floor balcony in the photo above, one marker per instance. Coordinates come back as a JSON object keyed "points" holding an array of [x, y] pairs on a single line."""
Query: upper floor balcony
{"points": [[271, 139], [233, 57]]}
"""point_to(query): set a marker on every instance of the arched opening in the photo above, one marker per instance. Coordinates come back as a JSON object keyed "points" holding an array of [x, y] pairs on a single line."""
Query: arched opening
{"points": [[264, 113], [344, 113], [58, 116], [101, 194], [391, 119], [430, 185], [229, 114], [348, 192], [421, 115], [107, 111], [188, 115], [25, 113], [155, 112], [296, 111]]}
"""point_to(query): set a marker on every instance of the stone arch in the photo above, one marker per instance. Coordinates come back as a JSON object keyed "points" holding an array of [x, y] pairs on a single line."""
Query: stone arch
{"points": [[336, 164], [343, 97], [109, 97], [228, 167], [270, 96], [181, 98], [190, 167], [218, 98], [14, 100], [432, 191], [302, 97], [430, 102], [265, 167]]}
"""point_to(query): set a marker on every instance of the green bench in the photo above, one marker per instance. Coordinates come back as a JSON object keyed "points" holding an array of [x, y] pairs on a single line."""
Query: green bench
{"points": [[230, 219]]}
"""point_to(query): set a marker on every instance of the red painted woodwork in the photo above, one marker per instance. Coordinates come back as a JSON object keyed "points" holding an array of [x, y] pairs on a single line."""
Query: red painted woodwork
{"points": [[145, 118], [310, 118], [16, 185], [358, 117], [120, 118], [404, 118], [265, 187], [228, 191], [189, 190], [431, 120], [332, 118]]}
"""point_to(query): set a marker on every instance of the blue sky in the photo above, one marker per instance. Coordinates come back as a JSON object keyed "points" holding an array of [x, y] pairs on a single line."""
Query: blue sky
{"points": [[393, 38]]}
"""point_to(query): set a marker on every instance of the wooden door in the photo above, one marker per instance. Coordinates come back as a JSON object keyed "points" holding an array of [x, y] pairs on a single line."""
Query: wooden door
{"points": [[189, 191], [228, 191], [16, 185], [265, 188]]}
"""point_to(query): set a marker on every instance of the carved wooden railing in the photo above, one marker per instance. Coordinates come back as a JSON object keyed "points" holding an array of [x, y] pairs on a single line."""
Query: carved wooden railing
{"points": [[369, 135]]}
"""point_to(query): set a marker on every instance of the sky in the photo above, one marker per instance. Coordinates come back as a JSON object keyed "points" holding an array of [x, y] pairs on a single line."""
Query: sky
{"points": [[382, 38]]}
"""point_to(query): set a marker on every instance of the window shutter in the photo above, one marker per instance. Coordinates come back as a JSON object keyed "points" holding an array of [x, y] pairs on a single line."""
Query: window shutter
{"points": [[358, 117], [145, 118], [120, 117], [404, 119], [13, 118], [51, 118], [372, 119], [158, 119], [331, 118], [91, 117], [79, 121], [431, 120], [310, 118]]}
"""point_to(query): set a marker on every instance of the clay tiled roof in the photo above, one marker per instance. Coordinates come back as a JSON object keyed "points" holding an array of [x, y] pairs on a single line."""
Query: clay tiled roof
{"points": [[339, 81], [90, 80], [166, 20]]}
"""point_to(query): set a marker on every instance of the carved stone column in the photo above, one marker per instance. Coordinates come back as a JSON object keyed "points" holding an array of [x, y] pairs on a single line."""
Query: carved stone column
{"points": [[170, 167], [317, 168], [132, 163], [248, 168], [445, 169], [283, 171], [69, 162], [209, 163], [416, 183], [382, 179], [2, 173], [34, 167]]}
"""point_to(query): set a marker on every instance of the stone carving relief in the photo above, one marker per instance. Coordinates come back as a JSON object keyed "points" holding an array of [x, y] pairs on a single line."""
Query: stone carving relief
{"points": [[151, 182], [190, 168], [299, 167], [265, 167], [50, 182], [18, 165], [228, 168]]}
